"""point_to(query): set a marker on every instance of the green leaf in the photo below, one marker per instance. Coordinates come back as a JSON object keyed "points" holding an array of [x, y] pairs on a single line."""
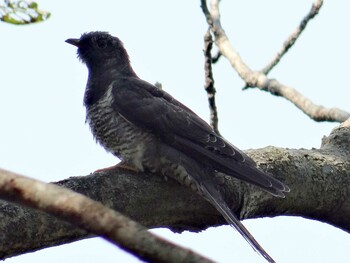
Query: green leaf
{"points": [[20, 12]]}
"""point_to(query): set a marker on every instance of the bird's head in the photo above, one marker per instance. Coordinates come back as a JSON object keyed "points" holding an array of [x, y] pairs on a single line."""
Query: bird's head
{"points": [[99, 49]]}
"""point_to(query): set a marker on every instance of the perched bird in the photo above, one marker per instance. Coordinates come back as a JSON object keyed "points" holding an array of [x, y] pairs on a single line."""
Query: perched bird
{"points": [[151, 131]]}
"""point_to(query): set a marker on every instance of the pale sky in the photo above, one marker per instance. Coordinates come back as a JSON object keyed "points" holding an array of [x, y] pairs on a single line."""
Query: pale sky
{"points": [[44, 135]]}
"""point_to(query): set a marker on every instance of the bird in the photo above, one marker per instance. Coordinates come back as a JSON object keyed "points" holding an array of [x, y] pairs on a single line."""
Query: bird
{"points": [[151, 131]]}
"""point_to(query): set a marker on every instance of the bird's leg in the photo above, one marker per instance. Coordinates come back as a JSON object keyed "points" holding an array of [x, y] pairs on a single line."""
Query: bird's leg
{"points": [[121, 165]]}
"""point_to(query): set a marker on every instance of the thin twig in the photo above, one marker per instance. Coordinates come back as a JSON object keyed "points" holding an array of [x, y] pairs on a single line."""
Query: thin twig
{"points": [[216, 57], [260, 80], [92, 216], [209, 81], [206, 12], [315, 8]]}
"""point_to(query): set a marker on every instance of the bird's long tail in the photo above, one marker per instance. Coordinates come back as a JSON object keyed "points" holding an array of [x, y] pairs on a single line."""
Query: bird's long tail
{"points": [[215, 198]]}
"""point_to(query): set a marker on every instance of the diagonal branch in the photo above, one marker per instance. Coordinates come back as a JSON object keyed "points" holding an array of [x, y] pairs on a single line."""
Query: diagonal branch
{"points": [[315, 8], [260, 80], [93, 217]]}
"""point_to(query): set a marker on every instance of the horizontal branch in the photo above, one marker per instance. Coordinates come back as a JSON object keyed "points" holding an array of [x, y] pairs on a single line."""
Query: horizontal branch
{"points": [[318, 178]]}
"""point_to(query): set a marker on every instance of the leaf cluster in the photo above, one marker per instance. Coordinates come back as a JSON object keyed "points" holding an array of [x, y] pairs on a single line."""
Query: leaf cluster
{"points": [[21, 12]]}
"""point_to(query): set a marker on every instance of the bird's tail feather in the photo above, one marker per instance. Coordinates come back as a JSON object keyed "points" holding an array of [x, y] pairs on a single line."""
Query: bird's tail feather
{"points": [[215, 198]]}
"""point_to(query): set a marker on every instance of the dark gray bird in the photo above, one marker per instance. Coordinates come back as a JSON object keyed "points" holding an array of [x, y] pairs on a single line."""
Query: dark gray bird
{"points": [[150, 130]]}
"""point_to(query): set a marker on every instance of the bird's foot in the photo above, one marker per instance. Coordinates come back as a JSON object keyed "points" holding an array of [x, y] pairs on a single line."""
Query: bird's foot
{"points": [[106, 169], [120, 165], [126, 166]]}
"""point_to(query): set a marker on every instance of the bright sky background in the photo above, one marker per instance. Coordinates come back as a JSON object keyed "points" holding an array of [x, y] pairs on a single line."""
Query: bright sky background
{"points": [[44, 136]]}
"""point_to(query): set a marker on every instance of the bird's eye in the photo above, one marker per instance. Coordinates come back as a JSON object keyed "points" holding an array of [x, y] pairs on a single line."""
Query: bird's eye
{"points": [[102, 43]]}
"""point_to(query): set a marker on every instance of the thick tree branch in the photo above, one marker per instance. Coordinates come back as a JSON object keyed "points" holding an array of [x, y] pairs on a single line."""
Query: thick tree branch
{"points": [[93, 217], [319, 180], [260, 80]]}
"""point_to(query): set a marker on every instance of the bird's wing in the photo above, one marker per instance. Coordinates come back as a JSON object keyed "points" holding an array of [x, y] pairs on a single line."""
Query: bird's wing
{"points": [[148, 107]]}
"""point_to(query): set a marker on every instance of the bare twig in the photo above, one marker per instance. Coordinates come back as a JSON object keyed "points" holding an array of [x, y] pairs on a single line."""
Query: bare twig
{"points": [[209, 81], [260, 80], [206, 12], [216, 58], [92, 216], [294, 36]]}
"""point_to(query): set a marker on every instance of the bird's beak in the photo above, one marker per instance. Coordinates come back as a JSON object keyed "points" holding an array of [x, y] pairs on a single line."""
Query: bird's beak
{"points": [[74, 41]]}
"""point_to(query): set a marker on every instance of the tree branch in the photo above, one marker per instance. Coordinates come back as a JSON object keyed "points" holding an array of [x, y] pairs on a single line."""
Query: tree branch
{"points": [[209, 81], [216, 57], [315, 8], [260, 80], [93, 217], [319, 180]]}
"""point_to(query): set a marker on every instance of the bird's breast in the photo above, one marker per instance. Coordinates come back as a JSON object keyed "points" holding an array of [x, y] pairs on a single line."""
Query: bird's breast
{"points": [[116, 134]]}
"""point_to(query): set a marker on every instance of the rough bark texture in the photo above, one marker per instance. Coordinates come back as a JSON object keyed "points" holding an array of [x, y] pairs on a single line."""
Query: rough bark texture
{"points": [[319, 180]]}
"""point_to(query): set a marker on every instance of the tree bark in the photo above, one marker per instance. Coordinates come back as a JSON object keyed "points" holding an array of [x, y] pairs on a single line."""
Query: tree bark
{"points": [[319, 180]]}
